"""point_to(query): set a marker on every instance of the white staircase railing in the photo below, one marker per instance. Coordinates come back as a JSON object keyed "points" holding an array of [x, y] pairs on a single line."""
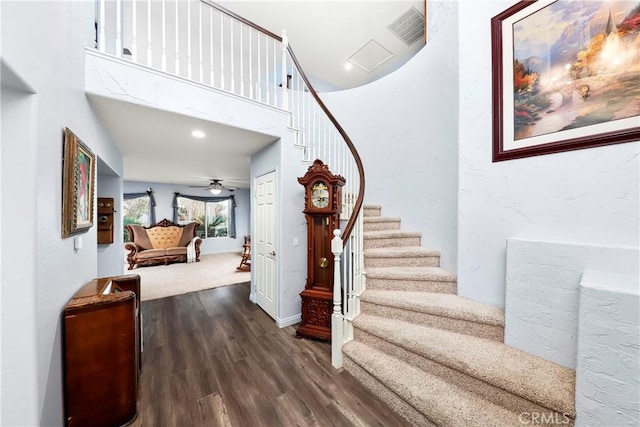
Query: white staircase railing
{"points": [[201, 41]]}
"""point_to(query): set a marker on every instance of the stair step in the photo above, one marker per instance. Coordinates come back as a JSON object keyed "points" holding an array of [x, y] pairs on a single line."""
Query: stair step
{"points": [[393, 401], [503, 374], [371, 210], [373, 223], [425, 279], [390, 238], [442, 311], [403, 256], [442, 403]]}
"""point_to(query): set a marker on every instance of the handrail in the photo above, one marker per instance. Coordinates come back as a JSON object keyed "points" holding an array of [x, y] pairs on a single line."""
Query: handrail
{"points": [[356, 156], [242, 19]]}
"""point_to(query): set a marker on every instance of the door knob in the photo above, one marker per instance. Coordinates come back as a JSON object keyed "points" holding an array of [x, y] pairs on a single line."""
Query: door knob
{"points": [[272, 253]]}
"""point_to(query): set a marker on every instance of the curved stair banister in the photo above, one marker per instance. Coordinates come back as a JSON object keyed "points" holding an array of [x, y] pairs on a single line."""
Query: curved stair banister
{"points": [[357, 205], [231, 54]]}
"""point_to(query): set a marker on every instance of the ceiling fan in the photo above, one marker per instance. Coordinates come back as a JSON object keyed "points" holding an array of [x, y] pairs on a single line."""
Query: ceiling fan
{"points": [[215, 187]]}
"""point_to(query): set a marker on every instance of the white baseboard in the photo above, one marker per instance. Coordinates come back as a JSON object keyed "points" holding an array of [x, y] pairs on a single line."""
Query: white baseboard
{"points": [[283, 323], [252, 297]]}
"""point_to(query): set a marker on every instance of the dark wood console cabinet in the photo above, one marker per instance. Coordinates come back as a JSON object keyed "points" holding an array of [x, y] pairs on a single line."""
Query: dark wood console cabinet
{"points": [[102, 352]]}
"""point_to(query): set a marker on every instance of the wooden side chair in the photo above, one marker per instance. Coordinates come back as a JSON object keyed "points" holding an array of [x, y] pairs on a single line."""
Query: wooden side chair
{"points": [[245, 262]]}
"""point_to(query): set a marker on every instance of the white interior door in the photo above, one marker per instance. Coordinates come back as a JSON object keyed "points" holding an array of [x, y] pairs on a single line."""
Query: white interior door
{"points": [[264, 260]]}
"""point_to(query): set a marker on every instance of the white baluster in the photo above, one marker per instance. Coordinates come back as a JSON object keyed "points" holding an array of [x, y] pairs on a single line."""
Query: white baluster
{"points": [[177, 41], [134, 32], [189, 39], [222, 51], [149, 33], [266, 66], [119, 28], [299, 109], [241, 62], [101, 30], [259, 69], [232, 55], [337, 327], [324, 138], [163, 56], [275, 74], [283, 46], [250, 64], [201, 70], [211, 79]]}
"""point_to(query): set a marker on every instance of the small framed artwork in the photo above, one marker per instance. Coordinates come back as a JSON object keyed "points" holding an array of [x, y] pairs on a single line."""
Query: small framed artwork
{"points": [[78, 177], [566, 76]]}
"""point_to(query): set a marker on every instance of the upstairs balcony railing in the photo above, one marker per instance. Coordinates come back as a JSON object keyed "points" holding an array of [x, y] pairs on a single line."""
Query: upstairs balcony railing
{"points": [[204, 42]]}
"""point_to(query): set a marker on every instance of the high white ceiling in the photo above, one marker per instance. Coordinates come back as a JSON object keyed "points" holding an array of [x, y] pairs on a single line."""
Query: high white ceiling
{"points": [[325, 34], [157, 146]]}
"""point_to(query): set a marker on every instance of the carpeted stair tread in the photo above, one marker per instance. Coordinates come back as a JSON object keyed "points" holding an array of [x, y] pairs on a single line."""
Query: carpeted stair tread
{"points": [[371, 210], [445, 305], [400, 252], [440, 401], [389, 234], [372, 219], [432, 274], [520, 373]]}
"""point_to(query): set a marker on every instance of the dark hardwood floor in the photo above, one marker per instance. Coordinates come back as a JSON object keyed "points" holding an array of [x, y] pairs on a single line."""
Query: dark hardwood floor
{"points": [[212, 358]]}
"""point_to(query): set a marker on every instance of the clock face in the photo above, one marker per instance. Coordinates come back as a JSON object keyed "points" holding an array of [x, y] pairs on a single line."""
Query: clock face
{"points": [[320, 195]]}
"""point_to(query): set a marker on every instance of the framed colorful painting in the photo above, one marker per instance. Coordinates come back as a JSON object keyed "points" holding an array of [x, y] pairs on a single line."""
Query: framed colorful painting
{"points": [[78, 177], [566, 76]]}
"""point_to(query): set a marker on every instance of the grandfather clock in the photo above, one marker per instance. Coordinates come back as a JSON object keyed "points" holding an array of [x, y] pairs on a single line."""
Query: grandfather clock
{"points": [[323, 205]]}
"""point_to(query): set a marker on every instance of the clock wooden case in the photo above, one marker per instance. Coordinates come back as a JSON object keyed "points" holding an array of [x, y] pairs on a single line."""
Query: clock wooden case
{"points": [[323, 205]]}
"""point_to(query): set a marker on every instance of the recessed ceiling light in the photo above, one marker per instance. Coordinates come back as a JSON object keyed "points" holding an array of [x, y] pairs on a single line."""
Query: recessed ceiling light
{"points": [[197, 134], [348, 66]]}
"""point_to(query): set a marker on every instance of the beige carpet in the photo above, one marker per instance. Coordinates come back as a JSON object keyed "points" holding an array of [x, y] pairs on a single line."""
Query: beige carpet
{"points": [[213, 270]]}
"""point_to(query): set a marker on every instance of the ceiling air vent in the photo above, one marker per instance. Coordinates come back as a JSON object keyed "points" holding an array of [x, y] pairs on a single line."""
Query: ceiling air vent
{"points": [[370, 56], [409, 27]]}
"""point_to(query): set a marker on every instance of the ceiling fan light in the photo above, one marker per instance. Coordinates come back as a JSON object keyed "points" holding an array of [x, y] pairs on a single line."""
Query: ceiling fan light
{"points": [[215, 191]]}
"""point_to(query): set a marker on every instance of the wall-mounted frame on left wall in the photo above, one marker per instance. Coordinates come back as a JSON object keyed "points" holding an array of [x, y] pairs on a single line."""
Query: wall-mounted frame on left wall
{"points": [[566, 76], [78, 178]]}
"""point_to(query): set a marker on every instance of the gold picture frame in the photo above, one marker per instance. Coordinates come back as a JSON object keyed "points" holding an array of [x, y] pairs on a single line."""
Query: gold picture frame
{"points": [[78, 183]]}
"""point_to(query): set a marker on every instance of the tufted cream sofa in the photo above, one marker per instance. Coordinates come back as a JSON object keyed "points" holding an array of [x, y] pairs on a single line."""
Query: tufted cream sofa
{"points": [[161, 243]]}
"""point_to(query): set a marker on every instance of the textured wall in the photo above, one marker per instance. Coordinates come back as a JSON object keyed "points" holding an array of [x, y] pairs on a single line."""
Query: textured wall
{"points": [[584, 196], [541, 310], [405, 128], [608, 372]]}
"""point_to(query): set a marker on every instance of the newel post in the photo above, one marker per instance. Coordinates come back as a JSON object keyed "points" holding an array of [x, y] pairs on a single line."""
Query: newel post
{"points": [[337, 327], [283, 72]]}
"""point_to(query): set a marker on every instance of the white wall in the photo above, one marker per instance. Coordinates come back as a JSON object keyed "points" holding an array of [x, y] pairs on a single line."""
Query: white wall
{"points": [[163, 194], [405, 128], [291, 259], [608, 371], [541, 304], [586, 196], [44, 43], [18, 366]]}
